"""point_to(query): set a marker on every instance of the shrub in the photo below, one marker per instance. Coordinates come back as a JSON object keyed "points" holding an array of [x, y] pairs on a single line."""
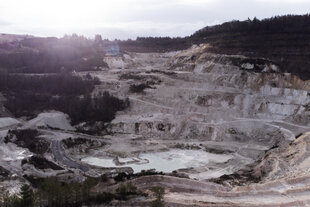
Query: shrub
{"points": [[159, 195], [139, 88], [126, 189]]}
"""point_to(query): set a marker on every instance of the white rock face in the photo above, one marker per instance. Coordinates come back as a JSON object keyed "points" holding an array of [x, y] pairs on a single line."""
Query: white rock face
{"points": [[56, 120], [203, 91], [8, 121]]}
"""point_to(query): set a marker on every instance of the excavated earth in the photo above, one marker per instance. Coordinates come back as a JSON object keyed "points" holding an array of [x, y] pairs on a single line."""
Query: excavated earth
{"points": [[234, 129]]}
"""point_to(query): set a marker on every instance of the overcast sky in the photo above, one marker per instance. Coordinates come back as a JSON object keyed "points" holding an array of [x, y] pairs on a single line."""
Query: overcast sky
{"points": [[124, 19]]}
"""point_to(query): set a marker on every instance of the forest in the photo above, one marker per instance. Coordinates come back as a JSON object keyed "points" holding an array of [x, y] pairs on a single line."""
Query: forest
{"points": [[52, 192], [277, 24], [30, 95]]}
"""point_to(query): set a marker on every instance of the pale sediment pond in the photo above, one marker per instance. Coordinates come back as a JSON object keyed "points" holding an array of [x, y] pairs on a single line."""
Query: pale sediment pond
{"points": [[167, 161]]}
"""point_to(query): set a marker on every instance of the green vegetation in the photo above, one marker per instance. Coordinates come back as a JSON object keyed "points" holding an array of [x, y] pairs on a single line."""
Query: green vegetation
{"points": [[56, 84], [52, 192], [28, 138], [25, 199], [125, 190], [55, 87], [159, 195], [282, 39], [124, 176], [70, 143], [132, 76], [29, 95], [27, 196], [154, 44], [279, 24], [10, 201], [103, 107]]}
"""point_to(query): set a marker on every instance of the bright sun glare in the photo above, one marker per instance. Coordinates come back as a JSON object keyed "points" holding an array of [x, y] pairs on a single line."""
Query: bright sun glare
{"points": [[67, 15]]}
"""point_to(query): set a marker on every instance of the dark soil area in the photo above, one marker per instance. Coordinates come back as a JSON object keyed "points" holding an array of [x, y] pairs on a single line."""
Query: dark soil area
{"points": [[139, 88], [240, 178], [169, 73], [42, 163], [29, 139], [71, 143], [4, 173], [218, 151]]}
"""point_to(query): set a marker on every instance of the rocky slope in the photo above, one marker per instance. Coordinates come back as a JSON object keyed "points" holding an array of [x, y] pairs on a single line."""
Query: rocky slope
{"points": [[221, 103]]}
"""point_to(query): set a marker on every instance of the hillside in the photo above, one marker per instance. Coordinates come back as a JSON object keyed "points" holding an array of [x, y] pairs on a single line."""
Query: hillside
{"points": [[284, 40]]}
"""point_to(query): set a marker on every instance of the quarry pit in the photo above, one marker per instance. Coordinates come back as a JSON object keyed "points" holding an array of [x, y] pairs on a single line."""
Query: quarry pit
{"points": [[208, 122]]}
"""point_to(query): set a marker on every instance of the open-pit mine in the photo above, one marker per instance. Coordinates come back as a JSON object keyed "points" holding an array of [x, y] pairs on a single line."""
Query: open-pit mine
{"points": [[219, 130]]}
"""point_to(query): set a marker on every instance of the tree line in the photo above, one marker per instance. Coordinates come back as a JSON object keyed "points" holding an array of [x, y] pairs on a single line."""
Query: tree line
{"points": [[54, 193], [277, 24], [28, 95]]}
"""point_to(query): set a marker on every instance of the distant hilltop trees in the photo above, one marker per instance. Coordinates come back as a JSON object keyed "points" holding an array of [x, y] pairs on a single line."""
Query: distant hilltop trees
{"points": [[277, 24]]}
